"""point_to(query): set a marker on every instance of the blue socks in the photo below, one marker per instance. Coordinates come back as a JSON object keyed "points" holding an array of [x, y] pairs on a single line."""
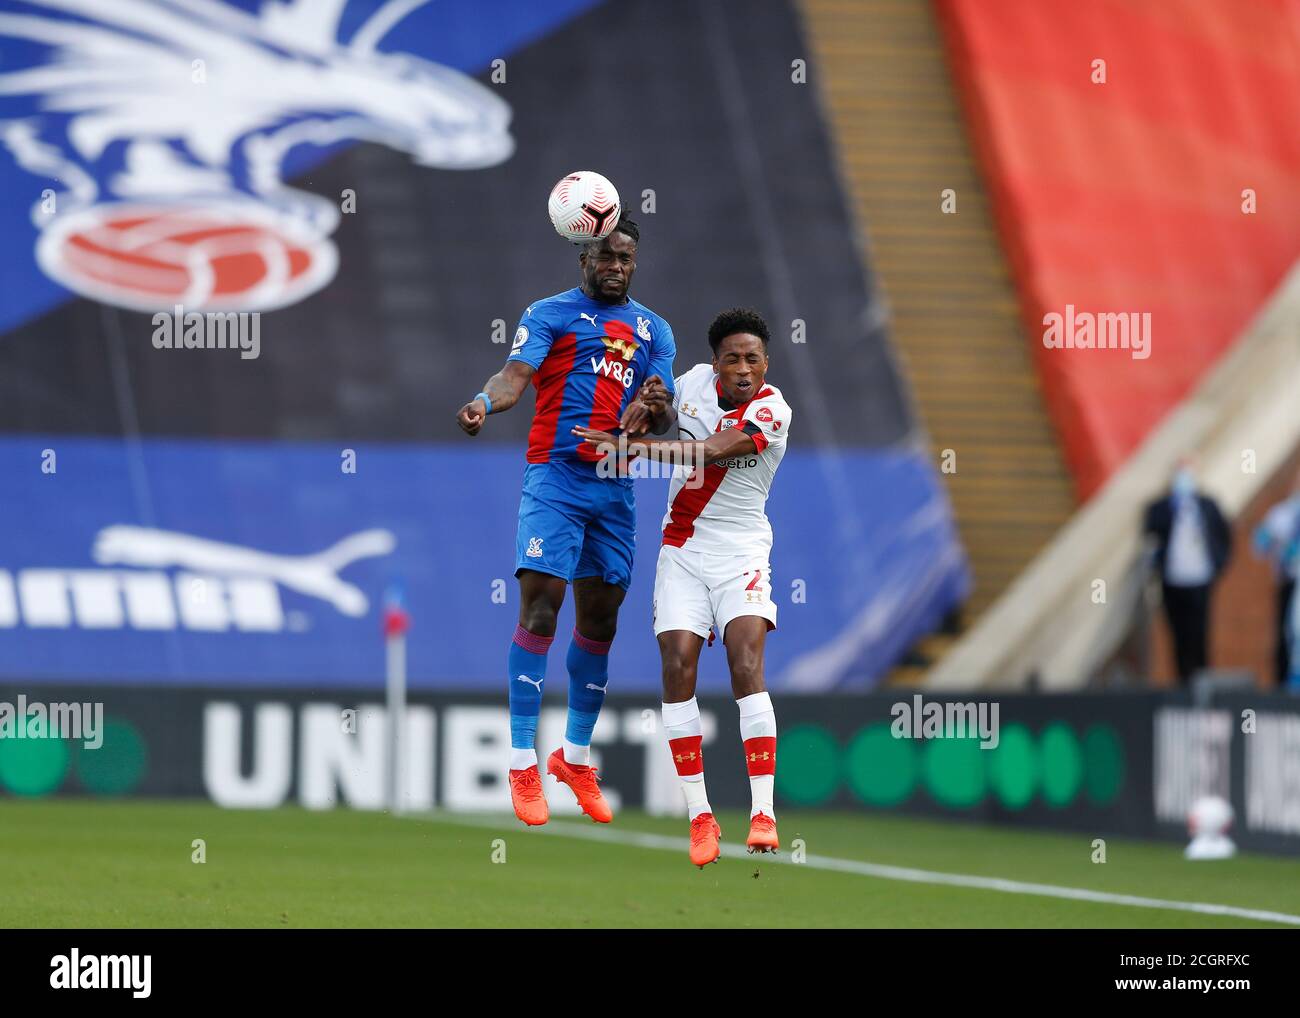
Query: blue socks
{"points": [[588, 663], [527, 663]]}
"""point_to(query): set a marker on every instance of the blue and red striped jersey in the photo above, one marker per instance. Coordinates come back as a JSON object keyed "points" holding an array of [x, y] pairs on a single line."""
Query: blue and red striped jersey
{"points": [[590, 358]]}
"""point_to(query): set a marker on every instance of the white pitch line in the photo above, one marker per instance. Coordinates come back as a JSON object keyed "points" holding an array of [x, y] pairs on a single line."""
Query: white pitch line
{"points": [[663, 842]]}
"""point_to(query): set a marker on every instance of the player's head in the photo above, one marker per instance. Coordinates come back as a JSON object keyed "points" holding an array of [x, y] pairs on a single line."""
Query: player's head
{"points": [[607, 265], [739, 340]]}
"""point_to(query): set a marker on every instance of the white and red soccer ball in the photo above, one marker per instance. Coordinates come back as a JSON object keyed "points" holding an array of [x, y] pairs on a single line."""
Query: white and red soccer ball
{"points": [[1210, 814], [584, 206], [1208, 822]]}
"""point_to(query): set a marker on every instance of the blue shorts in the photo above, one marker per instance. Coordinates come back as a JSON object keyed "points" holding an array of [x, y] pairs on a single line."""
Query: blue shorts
{"points": [[574, 524]]}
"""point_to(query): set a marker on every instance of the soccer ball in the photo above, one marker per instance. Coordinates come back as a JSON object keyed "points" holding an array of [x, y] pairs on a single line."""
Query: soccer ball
{"points": [[1208, 822], [1209, 814], [584, 207]]}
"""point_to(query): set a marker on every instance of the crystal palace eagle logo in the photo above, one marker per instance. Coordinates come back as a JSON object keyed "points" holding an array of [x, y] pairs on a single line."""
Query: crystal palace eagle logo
{"points": [[164, 125]]}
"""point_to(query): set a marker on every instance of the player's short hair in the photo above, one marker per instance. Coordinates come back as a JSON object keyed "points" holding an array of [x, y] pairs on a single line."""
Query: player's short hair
{"points": [[626, 224], [735, 320]]}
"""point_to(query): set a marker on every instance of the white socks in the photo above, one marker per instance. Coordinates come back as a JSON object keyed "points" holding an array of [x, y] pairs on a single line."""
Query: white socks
{"points": [[682, 723], [758, 733], [522, 759], [578, 756]]}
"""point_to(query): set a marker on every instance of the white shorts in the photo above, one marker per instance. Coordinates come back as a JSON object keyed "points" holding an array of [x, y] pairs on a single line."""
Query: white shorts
{"points": [[696, 590]]}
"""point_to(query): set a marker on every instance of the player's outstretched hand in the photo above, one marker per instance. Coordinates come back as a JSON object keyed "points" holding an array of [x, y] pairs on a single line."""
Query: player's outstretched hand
{"points": [[595, 438], [653, 390], [651, 401], [654, 394], [636, 419], [610, 444], [471, 417]]}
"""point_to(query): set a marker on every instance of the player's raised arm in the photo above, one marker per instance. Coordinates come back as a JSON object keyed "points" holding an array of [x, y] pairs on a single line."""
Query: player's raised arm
{"points": [[500, 393], [677, 451], [532, 343]]}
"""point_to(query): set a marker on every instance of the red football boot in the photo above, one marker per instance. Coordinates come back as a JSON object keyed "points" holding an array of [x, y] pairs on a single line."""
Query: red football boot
{"points": [[705, 833], [527, 796], [582, 780], [762, 834]]}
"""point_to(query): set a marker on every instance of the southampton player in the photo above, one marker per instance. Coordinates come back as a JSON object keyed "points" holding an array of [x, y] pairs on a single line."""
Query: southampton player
{"points": [[585, 351], [713, 565]]}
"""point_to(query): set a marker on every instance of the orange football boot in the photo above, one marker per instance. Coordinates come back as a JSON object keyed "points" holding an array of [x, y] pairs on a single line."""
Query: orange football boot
{"points": [[762, 834], [582, 780], [705, 833], [527, 796]]}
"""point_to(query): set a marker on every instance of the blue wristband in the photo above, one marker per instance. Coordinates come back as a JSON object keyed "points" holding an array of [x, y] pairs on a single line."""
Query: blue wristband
{"points": [[486, 402]]}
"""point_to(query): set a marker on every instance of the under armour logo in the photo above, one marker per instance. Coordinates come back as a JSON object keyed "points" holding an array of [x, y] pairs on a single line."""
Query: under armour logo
{"points": [[598, 689], [683, 757], [590, 318], [531, 682], [755, 757]]}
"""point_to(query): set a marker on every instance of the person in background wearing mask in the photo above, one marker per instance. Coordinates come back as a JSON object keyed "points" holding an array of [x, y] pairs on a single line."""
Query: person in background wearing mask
{"points": [[1277, 539], [1192, 545]]}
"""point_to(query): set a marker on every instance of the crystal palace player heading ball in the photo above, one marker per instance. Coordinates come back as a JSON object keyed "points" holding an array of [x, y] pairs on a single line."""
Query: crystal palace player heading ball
{"points": [[713, 566], [584, 350]]}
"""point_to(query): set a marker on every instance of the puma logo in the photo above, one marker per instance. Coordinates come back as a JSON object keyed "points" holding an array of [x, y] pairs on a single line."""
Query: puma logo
{"points": [[531, 682], [315, 575], [590, 318], [598, 689]]}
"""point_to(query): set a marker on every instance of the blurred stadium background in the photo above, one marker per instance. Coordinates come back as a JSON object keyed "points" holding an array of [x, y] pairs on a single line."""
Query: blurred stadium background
{"points": [[203, 542]]}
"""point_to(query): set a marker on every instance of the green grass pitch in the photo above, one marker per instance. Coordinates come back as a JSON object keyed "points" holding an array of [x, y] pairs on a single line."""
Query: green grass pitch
{"points": [[94, 863]]}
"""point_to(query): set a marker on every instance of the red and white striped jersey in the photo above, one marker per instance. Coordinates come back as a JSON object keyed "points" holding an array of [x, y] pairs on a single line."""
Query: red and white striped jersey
{"points": [[725, 513]]}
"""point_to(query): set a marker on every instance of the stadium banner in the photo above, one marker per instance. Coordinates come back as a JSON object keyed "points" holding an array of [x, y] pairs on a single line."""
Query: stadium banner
{"points": [[182, 493], [1097, 765], [1117, 348], [266, 564]]}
